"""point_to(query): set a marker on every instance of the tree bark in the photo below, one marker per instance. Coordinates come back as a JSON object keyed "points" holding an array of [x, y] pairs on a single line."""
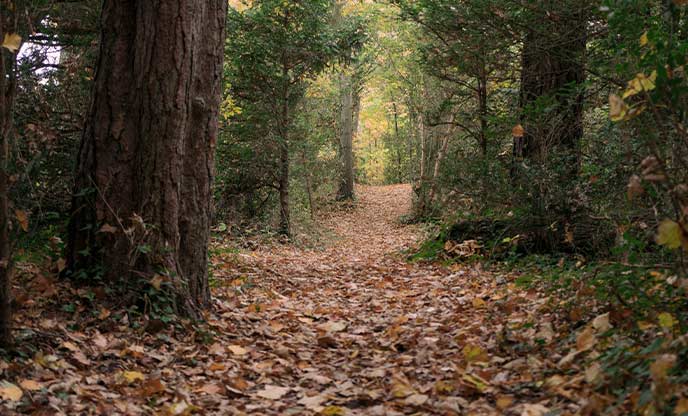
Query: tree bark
{"points": [[285, 214], [441, 154], [145, 166], [346, 188], [552, 96], [554, 67], [8, 25]]}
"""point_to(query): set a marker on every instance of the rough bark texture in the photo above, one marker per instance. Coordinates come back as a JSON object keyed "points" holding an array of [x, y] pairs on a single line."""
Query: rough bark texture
{"points": [[554, 67], [142, 193], [553, 72], [7, 89], [346, 188]]}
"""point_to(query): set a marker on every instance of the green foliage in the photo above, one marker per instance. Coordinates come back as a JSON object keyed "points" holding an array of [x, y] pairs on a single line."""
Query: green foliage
{"points": [[275, 52]]}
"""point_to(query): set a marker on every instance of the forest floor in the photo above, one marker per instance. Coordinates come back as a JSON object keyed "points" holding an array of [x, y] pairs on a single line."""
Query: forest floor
{"points": [[352, 328]]}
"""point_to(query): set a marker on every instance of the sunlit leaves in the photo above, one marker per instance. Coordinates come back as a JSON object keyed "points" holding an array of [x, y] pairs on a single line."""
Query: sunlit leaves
{"points": [[641, 83]]}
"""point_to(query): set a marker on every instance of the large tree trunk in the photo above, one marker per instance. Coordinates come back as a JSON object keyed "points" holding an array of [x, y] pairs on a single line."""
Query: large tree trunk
{"points": [[8, 24], [552, 98], [346, 187], [552, 76], [142, 193]]}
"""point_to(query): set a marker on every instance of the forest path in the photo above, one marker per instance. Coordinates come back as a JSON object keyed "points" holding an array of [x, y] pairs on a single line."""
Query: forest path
{"points": [[356, 329]]}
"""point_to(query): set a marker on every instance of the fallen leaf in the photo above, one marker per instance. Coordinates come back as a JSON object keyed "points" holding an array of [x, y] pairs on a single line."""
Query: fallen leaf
{"points": [[237, 350], [534, 410], [661, 366], [273, 392], [333, 326], [333, 411], [133, 376], [30, 385], [416, 399], [9, 391], [601, 323], [474, 354], [586, 340], [666, 320]]}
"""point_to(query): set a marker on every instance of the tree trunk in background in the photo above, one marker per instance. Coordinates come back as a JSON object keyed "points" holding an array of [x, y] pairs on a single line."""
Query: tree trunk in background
{"points": [[7, 90], [423, 183], [552, 96], [483, 110], [554, 70], [441, 154], [346, 187], [145, 166], [285, 214]]}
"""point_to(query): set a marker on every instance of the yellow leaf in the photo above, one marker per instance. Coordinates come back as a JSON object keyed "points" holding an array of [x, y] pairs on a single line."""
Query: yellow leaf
{"points": [[23, 219], [666, 320], [643, 39], [476, 381], [474, 354], [132, 376], [333, 411], [618, 110], [9, 391], [12, 42], [640, 83], [402, 390], [669, 234], [478, 303]]}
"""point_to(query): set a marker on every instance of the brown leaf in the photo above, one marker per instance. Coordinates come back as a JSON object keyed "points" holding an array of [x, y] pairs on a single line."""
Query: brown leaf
{"points": [[273, 392]]}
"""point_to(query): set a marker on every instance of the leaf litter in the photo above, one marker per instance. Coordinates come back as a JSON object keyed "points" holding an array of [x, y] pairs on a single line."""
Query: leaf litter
{"points": [[351, 328]]}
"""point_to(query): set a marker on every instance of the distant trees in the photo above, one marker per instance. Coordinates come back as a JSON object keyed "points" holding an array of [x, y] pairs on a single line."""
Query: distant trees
{"points": [[142, 200], [274, 48]]}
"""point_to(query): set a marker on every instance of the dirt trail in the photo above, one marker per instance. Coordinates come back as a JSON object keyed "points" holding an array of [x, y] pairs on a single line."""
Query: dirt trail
{"points": [[351, 328], [355, 329]]}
